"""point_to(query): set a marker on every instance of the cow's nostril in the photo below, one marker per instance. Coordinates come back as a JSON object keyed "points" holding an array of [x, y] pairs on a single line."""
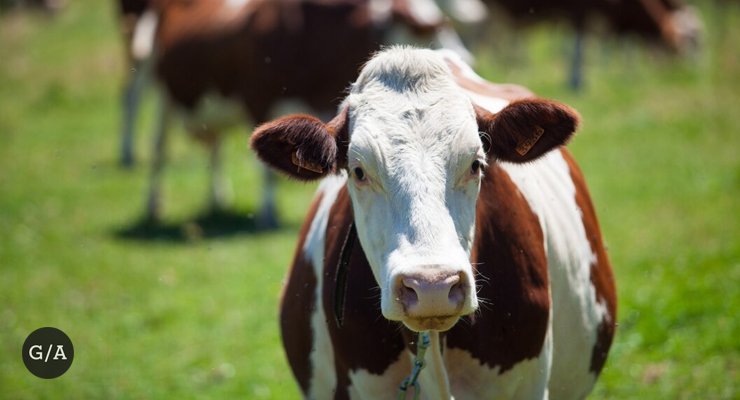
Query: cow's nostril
{"points": [[407, 292], [407, 296], [457, 293]]}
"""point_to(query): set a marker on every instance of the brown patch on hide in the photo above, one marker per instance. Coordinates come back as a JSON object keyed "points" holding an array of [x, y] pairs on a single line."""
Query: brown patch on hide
{"points": [[133, 7], [511, 273], [366, 339], [263, 52], [297, 305]]}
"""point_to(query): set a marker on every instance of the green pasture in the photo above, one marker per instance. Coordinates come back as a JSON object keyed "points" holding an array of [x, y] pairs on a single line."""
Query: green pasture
{"points": [[190, 310]]}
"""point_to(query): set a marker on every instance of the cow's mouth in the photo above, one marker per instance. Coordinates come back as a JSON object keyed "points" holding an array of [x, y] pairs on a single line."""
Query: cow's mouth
{"points": [[440, 323]]}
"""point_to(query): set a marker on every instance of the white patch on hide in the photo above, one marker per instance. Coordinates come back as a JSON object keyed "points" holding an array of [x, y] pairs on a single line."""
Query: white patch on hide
{"points": [[548, 188], [370, 386], [324, 377], [525, 380]]}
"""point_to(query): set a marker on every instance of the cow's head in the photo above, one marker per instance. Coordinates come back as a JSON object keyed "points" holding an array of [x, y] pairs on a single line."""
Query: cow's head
{"points": [[683, 30], [415, 148]]}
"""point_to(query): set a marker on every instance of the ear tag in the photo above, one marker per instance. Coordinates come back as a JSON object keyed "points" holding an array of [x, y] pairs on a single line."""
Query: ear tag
{"points": [[524, 148], [309, 166]]}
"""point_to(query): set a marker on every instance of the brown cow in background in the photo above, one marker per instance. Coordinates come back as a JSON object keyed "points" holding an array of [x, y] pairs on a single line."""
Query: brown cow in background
{"points": [[669, 22], [218, 62], [51, 6]]}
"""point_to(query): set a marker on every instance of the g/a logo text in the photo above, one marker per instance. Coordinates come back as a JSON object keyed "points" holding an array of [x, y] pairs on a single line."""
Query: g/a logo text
{"points": [[48, 353]]}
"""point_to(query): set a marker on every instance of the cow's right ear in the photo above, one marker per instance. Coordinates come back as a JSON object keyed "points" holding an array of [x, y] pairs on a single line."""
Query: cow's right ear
{"points": [[302, 146]]}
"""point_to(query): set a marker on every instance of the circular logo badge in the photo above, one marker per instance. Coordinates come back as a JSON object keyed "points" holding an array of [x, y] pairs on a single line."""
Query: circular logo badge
{"points": [[48, 353]]}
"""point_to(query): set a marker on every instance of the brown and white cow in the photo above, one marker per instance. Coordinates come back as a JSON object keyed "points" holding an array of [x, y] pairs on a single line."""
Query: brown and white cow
{"points": [[473, 223], [221, 62], [668, 22]]}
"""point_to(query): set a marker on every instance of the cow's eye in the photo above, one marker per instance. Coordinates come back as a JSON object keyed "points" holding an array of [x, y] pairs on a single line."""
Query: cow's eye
{"points": [[475, 167], [359, 174]]}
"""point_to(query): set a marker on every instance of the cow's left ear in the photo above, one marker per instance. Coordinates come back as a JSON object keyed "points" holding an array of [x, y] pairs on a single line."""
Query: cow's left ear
{"points": [[526, 129], [303, 147]]}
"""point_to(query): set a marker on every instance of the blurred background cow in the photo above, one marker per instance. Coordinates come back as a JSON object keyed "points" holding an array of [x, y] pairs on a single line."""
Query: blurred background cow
{"points": [[219, 63], [669, 23], [51, 6]]}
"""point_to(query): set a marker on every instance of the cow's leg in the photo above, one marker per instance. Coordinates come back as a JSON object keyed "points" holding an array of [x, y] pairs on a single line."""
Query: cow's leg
{"points": [[135, 84], [448, 38], [267, 217], [219, 194], [153, 206], [576, 66]]}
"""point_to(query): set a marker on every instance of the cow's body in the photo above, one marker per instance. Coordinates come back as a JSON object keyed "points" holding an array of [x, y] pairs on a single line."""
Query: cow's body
{"points": [[510, 335], [547, 299], [670, 23], [256, 53]]}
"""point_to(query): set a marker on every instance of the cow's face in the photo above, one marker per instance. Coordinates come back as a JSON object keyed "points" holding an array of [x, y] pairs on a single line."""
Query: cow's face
{"points": [[415, 162], [415, 148]]}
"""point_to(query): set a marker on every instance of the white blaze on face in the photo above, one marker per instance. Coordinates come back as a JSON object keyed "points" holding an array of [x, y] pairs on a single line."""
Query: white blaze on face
{"points": [[414, 149]]}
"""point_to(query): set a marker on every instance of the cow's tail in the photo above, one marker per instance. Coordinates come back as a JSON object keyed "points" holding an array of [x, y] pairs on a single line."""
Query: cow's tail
{"points": [[142, 44]]}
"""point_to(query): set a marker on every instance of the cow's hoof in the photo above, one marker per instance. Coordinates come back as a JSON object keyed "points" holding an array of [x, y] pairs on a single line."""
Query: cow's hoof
{"points": [[127, 162], [150, 220], [267, 220]]}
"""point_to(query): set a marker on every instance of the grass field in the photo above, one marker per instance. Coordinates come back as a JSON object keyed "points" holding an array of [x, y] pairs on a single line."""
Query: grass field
{"points": [[192, 312]]}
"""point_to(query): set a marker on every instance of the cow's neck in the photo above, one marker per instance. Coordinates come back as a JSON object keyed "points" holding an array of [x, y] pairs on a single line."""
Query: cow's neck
{"points": [[437, 383], [434, 380]]}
